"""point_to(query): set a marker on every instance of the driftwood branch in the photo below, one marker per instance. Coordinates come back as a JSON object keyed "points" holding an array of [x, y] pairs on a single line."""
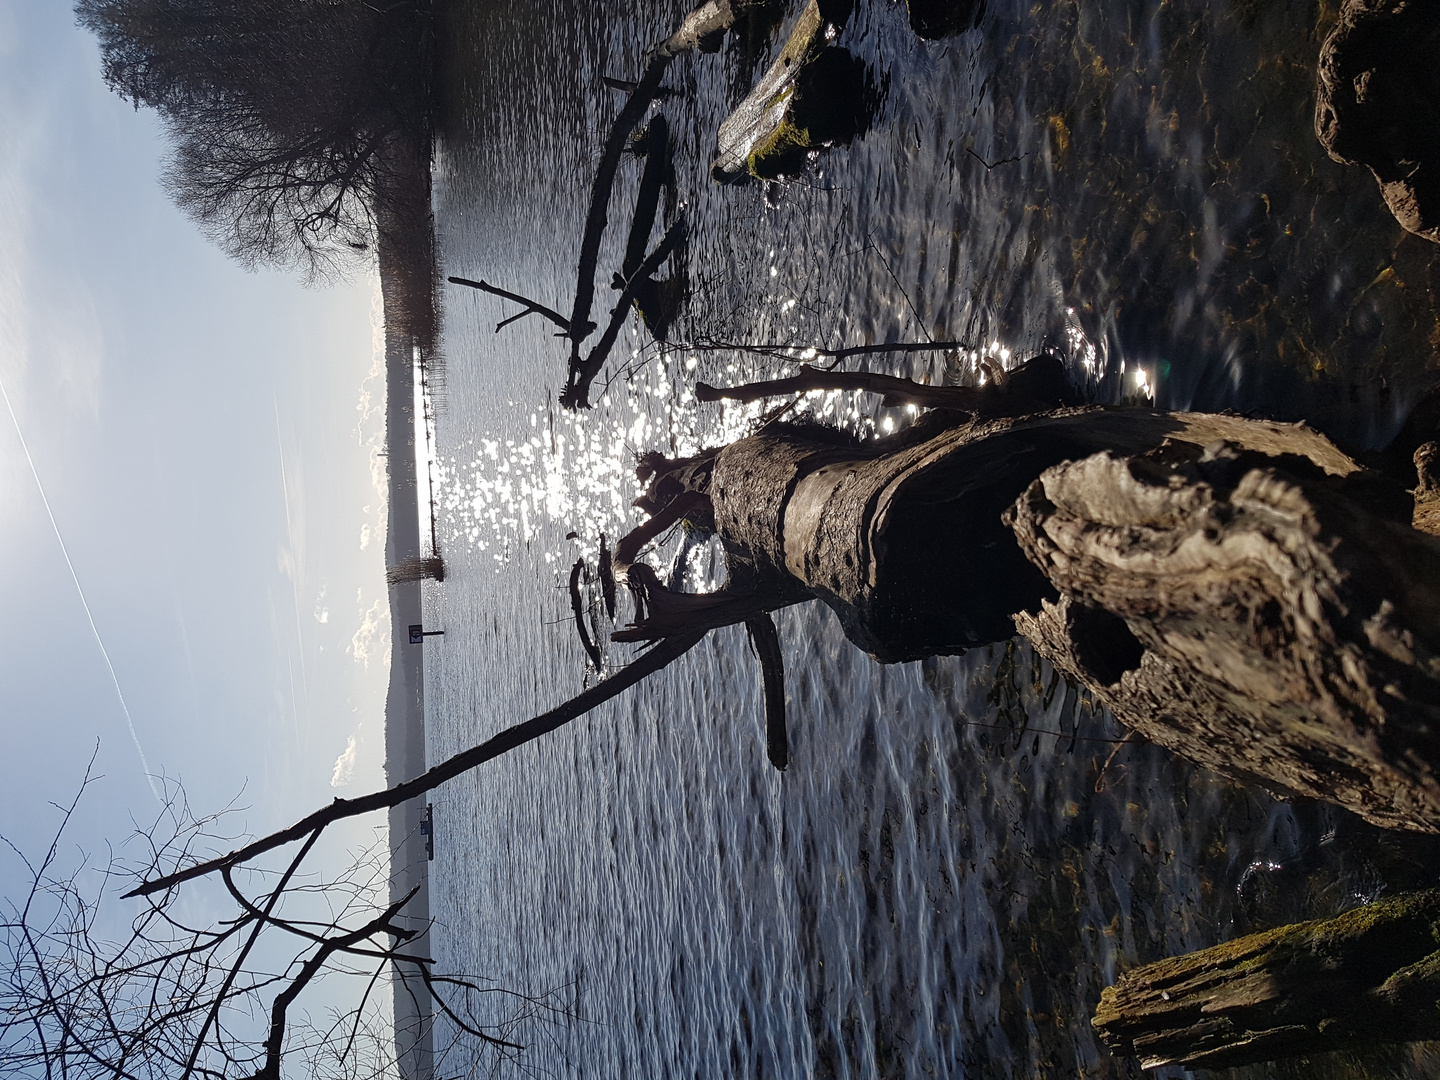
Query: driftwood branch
{"points": [[577, 391], [531, 306], [787, 352], [576, 605], [896, 391], [1038, 384], [656, 148], [647, 664]]}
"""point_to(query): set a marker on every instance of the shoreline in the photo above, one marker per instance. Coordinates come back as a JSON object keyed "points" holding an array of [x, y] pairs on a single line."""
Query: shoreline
{"points": [[406, 257]]}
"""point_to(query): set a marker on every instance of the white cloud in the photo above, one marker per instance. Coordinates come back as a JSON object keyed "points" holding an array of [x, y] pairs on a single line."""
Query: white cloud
{"points": [[344, 765], [373, 637], [364, 536]]}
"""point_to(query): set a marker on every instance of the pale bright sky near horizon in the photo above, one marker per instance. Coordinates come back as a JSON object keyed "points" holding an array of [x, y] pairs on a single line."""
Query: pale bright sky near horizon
{"points": [[206, 439]]}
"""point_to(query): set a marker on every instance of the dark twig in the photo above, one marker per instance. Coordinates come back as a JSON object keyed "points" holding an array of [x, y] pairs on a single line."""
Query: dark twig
{"points": [[530, 305], [578, 607]]}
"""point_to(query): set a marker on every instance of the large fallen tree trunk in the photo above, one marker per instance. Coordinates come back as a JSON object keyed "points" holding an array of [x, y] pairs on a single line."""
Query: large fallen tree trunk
{"points": [[1249, 615], [1370, 975], [1237, 590]]}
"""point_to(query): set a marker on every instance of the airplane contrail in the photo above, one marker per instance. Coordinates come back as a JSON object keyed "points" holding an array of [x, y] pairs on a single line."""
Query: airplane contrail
{"points": [[145, 764]]}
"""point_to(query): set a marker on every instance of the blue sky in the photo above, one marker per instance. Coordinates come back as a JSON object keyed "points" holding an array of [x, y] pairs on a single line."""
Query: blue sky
{"points": [[206, 438]]}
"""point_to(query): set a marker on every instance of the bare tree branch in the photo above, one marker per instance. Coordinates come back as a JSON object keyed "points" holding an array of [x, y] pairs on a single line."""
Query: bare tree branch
{"points": [[507, 740]]}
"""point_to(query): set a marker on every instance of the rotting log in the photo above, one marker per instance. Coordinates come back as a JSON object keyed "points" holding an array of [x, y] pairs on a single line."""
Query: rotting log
{"points": [[1249, 612], [1368, 976], [904, 537], [1427, 489]]}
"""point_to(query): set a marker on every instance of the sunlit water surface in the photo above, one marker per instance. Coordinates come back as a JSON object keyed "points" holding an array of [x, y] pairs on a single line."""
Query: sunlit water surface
{"points": [[959, 858]]}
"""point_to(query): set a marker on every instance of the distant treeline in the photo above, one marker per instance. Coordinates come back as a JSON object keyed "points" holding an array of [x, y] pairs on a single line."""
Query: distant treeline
{"points": [[301, 129]]}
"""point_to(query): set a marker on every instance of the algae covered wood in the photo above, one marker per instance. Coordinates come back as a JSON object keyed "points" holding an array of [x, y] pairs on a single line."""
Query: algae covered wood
{"points": [[813, 96], [1251, 614], [1370, 975]]}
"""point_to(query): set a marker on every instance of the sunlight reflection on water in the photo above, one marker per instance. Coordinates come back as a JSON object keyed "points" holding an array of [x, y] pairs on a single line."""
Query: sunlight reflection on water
{"points": [[957, 859]]}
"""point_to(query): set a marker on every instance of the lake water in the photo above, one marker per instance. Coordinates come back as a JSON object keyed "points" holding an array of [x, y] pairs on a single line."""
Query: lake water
{"points": [[960, 855]]}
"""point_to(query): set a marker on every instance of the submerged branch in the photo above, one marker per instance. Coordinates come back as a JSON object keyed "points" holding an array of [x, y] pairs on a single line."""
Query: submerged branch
{"points": [[577, 393], [704, 22], [787, 352], [579, 608]]}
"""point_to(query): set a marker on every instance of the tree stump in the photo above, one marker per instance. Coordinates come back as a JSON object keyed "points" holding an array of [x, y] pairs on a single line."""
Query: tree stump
{"points": [[1370, 975]]}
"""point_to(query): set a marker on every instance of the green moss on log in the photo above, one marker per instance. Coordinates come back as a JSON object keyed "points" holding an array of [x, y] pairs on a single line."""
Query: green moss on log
{"points": [[1369, 976]]}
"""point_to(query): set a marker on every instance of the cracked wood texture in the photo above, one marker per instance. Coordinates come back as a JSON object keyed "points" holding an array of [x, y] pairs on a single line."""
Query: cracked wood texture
{"points": [[1370, 975], [1250, 612], [903, 537]]}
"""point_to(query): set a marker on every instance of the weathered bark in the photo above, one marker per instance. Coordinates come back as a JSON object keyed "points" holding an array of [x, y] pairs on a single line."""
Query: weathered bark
{"points": [[903, 538], [1427, 489], [1377, 103], [1370, 975], [1237, 590], [1249, 613]]}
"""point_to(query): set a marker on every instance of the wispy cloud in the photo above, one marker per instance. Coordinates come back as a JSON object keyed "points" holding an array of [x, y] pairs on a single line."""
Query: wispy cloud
{"points": [[344, 765]]}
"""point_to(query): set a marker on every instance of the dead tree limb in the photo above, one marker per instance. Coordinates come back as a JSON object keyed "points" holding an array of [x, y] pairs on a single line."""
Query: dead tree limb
{"points": [[578, 607], [656, 148], [788, 352], [707, 19], [531, 306], [577, 390], [646, 664], [896, 391], [1039, 383]]}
